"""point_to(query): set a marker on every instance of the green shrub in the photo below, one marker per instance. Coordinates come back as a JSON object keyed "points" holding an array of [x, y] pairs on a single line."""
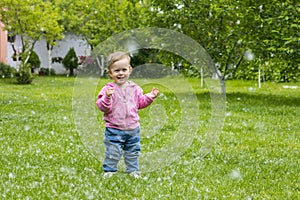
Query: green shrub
{"points": [[6, 71], [24, 75], [70, 61], [34, 61]]}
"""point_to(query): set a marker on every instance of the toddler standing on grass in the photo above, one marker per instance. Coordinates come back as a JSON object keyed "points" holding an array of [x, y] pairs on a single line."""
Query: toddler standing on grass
{"points": [[120, 101]]}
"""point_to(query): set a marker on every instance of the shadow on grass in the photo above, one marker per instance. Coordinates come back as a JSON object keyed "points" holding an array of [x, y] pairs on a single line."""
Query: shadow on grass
{"points": [[256, 98], [263, 99]]}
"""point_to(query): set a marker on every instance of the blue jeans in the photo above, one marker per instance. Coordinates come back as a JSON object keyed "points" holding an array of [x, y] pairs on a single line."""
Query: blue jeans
{"points": [[118, 141]]}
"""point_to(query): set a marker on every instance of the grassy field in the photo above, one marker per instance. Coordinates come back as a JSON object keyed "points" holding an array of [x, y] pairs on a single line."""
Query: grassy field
{"points": [[256, 156]]}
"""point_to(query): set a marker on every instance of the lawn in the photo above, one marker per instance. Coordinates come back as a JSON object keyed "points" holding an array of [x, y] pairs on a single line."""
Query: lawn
{"points": [[47, 154]]}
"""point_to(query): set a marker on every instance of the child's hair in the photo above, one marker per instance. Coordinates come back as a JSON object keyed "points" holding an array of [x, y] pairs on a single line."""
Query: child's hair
{"points": [[114, 57]]}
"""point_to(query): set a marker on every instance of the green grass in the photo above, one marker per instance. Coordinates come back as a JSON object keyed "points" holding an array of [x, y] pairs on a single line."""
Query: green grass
{"points": [[256, 157]]}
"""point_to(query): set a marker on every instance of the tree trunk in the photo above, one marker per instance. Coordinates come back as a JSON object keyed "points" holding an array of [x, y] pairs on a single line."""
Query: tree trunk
{"points": [[49, 61], [71, 71], [223, 85]]}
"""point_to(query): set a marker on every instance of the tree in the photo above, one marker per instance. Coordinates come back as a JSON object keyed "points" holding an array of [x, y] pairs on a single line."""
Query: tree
{"points": [[70, 61], [97, 20], [230, 31], [278, 36], [233, 30], [32, 20]]}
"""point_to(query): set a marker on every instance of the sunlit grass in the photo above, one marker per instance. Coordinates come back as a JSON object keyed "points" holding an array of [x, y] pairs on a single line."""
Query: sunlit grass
{"points": [[257, 156]]}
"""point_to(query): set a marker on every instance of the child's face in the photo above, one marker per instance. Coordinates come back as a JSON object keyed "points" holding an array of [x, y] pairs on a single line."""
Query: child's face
{"points": [[120, 71]]}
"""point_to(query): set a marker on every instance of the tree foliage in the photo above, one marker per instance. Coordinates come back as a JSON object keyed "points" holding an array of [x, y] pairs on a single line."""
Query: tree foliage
{"points": [[232, 30], [240, 36], [32, 20], [96, 20]]}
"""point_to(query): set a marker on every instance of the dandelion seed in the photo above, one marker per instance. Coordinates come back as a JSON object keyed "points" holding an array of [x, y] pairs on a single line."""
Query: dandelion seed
{"points": [[245, 109], [260, 8], [63, 169], [249, 55], [179, 6], [11, 175], [90, 196], [236, 174], [228, 114], [27, 128], [251, 89]]}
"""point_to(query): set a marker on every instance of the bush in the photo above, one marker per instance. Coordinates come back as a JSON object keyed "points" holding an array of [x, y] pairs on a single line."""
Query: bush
{"points": [[70, 61], [6, 71], [24, 75], [34, 61]]}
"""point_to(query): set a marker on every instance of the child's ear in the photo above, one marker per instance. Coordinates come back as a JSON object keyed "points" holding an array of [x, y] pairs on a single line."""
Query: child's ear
{"points": [[130, 69], [109, 73]]}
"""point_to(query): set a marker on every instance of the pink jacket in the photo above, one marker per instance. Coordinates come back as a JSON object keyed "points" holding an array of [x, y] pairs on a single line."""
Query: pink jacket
{"points": [[121, 109]]}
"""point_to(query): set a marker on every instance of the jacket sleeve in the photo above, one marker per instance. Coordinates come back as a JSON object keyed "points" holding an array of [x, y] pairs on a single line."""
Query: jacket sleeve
{"points": [[143, 99], [103, 102]]}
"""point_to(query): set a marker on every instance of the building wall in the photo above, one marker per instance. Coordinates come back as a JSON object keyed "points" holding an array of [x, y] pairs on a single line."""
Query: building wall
{"points": [[60, 50], [3, 44]]}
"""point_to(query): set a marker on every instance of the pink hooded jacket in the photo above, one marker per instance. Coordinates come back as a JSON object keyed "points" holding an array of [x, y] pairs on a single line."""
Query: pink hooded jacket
{"points": [[121, 109]]}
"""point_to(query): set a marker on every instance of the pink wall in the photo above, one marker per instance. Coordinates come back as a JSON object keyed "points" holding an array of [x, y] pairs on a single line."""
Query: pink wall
{"points": [[3, 44]]}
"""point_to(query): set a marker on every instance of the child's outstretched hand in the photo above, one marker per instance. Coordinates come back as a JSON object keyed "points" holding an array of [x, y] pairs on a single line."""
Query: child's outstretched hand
{"points": [[109, 92], [154, 93]]}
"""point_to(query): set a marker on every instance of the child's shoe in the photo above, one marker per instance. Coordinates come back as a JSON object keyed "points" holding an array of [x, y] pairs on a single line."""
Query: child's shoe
{"points": [[135, 174], [108, 174]]}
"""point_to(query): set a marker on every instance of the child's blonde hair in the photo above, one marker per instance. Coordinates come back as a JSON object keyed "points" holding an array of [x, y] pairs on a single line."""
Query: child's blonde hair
{"points": [[114, 57]]}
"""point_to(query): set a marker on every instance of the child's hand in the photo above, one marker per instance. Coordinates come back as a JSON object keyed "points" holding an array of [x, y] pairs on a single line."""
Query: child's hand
{"points": [[154, 92], [109, 92]]}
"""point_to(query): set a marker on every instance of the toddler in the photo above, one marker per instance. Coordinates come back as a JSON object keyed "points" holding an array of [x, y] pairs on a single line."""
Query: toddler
{"points": [[120, 101]]}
